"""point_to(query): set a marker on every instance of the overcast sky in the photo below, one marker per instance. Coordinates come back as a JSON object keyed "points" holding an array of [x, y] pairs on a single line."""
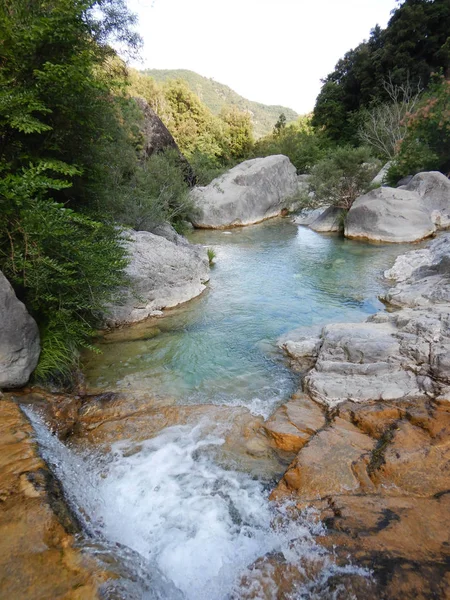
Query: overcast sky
{"points": [[270, 51]]}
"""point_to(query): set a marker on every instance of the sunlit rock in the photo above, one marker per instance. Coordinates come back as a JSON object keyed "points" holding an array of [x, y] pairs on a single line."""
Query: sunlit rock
{"points": [[434, 189], [162, 274], [251, 192], [389, 215]]}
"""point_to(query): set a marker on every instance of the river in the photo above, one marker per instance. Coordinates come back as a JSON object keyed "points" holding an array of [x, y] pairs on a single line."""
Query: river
{"points": [[196, 522]]}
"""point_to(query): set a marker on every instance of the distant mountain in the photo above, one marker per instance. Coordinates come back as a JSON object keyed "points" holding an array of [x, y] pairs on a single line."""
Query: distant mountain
{"points": [[217, 95]]}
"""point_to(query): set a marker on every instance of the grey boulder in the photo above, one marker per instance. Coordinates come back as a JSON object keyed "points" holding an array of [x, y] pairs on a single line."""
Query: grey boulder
{"points": [[163, 274], [329, 221], [434, 189], [389, 215], [251, 192], [308, 216], [19, 340]]}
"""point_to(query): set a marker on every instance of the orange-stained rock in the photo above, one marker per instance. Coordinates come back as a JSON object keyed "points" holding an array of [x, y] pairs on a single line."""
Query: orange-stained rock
{"points": [[37, 557], [403, 539], [334, 462], [274, 578], [293, 424], [372, 418], [109, 418], [414, 463]]}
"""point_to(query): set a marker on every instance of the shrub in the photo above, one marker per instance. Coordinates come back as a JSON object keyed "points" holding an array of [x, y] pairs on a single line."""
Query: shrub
{"points": [[65, 266], [344, 175]]}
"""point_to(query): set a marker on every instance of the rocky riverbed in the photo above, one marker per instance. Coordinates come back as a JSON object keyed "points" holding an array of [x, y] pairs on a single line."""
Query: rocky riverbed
{"points": [[363, 448]]}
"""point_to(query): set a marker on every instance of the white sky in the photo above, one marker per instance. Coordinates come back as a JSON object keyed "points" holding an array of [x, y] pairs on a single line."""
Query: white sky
{"points": [[270, 51]]}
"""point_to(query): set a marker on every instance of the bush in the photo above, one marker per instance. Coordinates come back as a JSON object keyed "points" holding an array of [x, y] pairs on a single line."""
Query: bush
{"points": [[65, 266], [154, 192], [344, 175]]}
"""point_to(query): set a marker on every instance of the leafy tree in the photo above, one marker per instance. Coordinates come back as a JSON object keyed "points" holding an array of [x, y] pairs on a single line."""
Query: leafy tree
{"points": [[57, 114], [413, 46], [298, 141], [238, 133], [280, 124], [426, 143], [342, 176]]}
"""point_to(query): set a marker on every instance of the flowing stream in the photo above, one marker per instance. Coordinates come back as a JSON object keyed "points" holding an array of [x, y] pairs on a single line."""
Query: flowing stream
{"points": [[197, 524]]}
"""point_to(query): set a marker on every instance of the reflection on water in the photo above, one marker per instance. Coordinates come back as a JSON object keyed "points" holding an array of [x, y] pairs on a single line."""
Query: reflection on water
{"points": [[268, 279]]}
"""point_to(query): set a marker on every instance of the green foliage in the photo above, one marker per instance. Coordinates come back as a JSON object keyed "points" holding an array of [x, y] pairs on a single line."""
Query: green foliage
{"points": [[426, 144], [342, 176], [238, 134], [218, 97], [63, 265], [156, 192], [58, 118], [211, 143], [298, 141], [415, 44], [206, 168], [280, 125], [211, 256]]}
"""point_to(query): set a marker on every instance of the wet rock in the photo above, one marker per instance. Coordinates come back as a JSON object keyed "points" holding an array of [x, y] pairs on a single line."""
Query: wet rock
{"points": [[162, 273], [372, 418], [251, 192], [19, 339], [294, 423], [38, 558], [109, 418], [389, 215], [414, 464], [331, 220], [333, 462]]}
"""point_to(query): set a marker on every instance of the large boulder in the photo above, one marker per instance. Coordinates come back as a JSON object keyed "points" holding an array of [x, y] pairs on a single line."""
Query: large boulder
{"points": [[163, 274], [434, 189], [251, 192], [389, 215], [19, 339], [330, 220], [156, 138]]}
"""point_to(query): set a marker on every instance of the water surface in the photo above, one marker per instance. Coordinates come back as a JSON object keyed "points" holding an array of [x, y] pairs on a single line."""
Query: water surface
{"points": [[221, 347]]}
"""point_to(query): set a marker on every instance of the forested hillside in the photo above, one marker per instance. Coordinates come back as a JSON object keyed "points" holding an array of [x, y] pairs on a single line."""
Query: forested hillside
{"points": [[218, 96], [414, 46]]}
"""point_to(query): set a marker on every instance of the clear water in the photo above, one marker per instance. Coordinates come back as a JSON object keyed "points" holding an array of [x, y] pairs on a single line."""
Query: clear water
{"points": [[197, 524], [221, 347]]}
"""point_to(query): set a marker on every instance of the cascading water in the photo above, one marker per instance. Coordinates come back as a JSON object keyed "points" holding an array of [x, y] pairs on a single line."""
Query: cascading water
{"points": [[197, 526], [195, 523]]}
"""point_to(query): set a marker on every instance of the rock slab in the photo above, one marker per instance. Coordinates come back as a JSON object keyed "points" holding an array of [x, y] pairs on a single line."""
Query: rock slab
{"points": [[19, 339], [163, 274], [251, 192]]}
